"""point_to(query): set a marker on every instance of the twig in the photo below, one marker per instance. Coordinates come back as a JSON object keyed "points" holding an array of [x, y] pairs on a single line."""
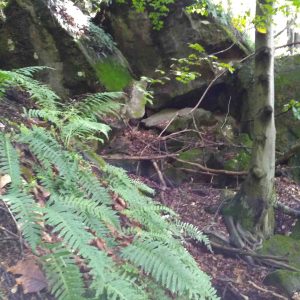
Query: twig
{"points": [[287, 45], [222, 51], [146, 157], [213, 171], [207, 89], [247, 253], [236, 292], [19, 233], [226, 117], [9, 232], [160, 175], [267, 291], [290, 153]]}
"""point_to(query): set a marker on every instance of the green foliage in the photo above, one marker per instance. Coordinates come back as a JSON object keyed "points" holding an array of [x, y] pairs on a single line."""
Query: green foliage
{"points": [[189, 68], [79, 213], [63, 276], [294, 106], [208, 8], [157, 10]]}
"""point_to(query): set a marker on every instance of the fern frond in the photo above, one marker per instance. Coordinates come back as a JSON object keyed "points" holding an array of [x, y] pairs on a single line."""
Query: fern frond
{"points": [[9, 161], [89, 211], [83, 128], [193, 232], [123, 289], [39, 92], [54, 116], [101, 104], [92, 188], [68, 226], [164, 264], [27, 213], [49, 152], [63, 275], [30, 71]]}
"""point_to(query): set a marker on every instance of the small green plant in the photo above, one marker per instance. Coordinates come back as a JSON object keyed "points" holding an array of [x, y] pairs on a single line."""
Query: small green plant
{"points": [[189, 68], [294, 106], [126, 251]]}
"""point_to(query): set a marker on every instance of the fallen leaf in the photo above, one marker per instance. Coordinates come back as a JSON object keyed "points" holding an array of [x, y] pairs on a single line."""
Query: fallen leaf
{"points": [[4, 180], [32, 278]]}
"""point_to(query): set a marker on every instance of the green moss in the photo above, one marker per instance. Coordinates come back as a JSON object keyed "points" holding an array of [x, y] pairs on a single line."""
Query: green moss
{"points": [[191, 155], [113, 76], [236, 208], [283, 246], [287, 281]]}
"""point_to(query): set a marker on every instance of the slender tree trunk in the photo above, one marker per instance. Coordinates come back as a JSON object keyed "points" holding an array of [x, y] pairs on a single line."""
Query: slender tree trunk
{"points": [[250, 216]]}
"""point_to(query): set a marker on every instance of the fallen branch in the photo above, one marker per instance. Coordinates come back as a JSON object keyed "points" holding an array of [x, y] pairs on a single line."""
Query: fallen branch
{"points": [[213, 171], [278, 296], [289, 154], [145, 157], [160, 176], [247, 253]]}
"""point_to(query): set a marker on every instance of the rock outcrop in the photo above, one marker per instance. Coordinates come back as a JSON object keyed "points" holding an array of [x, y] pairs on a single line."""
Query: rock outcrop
{"points": [[61, 36], [148, 50]]}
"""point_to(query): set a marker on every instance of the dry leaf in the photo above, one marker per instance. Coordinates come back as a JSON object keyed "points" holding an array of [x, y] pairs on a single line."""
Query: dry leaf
{"points": [[32, 278], [4, 180]]}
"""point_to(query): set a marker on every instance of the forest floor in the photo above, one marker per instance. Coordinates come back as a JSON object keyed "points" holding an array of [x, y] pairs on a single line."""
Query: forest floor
{"points": [[231, 275]]}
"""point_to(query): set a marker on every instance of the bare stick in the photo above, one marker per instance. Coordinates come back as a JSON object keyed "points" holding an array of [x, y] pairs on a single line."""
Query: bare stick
{"points": [[213, 171], [278, 296], [146, 157]]}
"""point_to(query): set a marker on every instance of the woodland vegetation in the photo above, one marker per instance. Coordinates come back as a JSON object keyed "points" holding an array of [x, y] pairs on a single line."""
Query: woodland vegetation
{"points": [[138, 153]]}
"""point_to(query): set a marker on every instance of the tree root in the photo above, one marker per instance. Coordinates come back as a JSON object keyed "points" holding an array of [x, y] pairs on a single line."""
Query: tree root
{"points": [[288, 210], [246, 245]]}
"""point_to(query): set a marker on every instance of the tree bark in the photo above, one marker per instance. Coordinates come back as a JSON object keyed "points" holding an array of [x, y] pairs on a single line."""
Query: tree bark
{"points": [[250, 215]]}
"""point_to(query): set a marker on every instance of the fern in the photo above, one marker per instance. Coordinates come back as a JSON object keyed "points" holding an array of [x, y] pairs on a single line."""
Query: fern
{"points": [[39, 92], [163, 264], [193, 232], [80, 210], [9, 163], [26, 213], [23, 206], [101, 104], [63, 275]]}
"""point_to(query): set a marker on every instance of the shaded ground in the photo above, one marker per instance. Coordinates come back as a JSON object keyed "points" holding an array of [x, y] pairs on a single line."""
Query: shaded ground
{"points": [[233, 277]]}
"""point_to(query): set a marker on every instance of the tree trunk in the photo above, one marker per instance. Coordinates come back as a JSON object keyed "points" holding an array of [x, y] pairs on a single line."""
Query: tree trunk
{"points": [[250, 216]]}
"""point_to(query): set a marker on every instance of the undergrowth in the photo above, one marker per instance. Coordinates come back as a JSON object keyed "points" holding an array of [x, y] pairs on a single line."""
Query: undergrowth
{"points": [[106, 237]]}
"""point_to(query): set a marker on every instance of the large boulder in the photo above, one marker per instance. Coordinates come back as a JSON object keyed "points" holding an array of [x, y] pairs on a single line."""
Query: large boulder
{"points": [[59, 35], [147, 49]]}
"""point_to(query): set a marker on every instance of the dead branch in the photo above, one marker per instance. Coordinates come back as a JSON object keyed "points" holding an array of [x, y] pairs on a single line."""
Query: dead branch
{"points": [[289, 154], [213, 171], [242, 252], [278, 296], [146, 157], [160, 175]]}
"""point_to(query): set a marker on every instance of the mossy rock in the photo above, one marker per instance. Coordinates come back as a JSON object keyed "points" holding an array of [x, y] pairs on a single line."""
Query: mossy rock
{"points": [[181, 119], [286, 246], [289, 247], [113, 76], [287, 281]]}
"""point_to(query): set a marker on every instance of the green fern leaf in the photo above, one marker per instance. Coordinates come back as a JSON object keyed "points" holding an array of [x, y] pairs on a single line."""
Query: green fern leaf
{"points": [[101, 104], [193, 232], [68, 225], [9, 162], [63, 275], [27, 213]]}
